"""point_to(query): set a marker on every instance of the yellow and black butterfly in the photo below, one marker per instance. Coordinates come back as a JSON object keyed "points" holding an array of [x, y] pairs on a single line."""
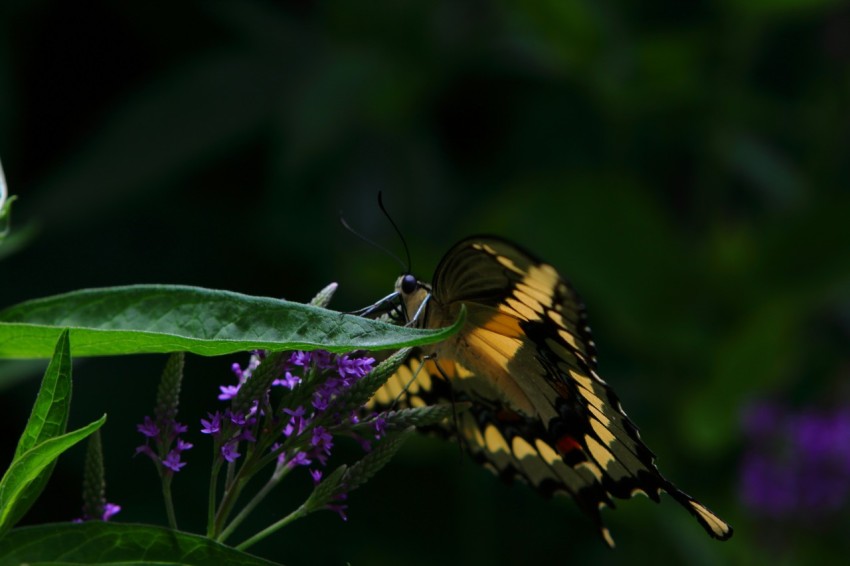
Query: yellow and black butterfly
{"points": [[526, 362]]}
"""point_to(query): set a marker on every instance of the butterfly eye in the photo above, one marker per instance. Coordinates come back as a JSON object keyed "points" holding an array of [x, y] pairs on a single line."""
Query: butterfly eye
{"points": [[408, 284]]}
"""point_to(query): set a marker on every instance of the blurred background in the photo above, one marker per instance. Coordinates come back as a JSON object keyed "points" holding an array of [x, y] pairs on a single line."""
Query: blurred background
{"points": [[684, 165]]}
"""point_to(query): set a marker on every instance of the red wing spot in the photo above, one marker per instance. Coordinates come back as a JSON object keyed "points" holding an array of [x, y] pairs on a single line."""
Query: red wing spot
{"points": [[567, 444]]}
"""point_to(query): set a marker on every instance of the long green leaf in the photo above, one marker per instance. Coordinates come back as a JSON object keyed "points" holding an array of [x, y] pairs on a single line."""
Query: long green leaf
{"points": [[49, 415], [27, 468], [170, 318], [49, 419], [97, 542]]}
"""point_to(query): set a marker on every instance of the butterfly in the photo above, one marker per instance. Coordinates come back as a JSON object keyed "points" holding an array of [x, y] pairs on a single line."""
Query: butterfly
{"points": [[526, 363]]}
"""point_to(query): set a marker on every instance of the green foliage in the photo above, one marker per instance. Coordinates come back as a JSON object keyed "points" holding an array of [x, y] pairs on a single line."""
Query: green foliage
{"points": [[48, 420], [94, 479], [43, 440], [361, 472], [111, 543], [422, 416], [168, 318]]}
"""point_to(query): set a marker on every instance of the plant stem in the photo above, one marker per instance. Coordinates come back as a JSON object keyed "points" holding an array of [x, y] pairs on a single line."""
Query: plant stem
{"points": [[216, 468], [297, 514], [249, 507], [169, 502], [232, 491]]}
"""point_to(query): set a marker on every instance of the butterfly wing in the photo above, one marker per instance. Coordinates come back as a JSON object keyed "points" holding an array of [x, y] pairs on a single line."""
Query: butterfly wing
{"points": [[526, 361]]}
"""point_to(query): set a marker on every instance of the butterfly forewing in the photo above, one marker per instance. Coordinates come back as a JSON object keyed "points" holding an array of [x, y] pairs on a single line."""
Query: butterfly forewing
{"points": [[526, 362], [490, 272]]}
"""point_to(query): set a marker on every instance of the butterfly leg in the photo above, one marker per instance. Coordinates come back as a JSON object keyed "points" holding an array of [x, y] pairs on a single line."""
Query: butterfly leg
{"points": [[419, 311], [382, 306], [461, 439], [409, 382]]}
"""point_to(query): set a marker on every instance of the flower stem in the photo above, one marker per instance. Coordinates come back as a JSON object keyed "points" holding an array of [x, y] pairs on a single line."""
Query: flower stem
{"points": [[232, 491], [249, 507], [169, 502], [274, 527], [216, 468]]}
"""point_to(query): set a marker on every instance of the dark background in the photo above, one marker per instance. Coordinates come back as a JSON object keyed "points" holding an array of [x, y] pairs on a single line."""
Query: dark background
{"points": [[685, 165]]}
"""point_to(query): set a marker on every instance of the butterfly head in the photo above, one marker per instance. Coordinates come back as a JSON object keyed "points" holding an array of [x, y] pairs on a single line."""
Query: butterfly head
{"points": [[414, 294], [407, 284]]}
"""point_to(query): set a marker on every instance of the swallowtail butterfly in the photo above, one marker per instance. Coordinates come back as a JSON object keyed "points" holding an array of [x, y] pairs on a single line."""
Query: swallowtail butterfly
{"points": [[526, 362]]}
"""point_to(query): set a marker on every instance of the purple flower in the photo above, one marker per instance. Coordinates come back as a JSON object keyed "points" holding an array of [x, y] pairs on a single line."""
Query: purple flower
{"points": [[327, 375], [236, 417], [228, 392], [300, 459], [229, 451], [322, 440], [354, 367], [110, 510], [213, 424], [798, 463], [288, 380], [316, 475], [172, 461], [380, 427], [297, 412], [321, 400], [148, 428], [164, 432], [300, 358], [253, 362], [297, 422], [339, 507]]}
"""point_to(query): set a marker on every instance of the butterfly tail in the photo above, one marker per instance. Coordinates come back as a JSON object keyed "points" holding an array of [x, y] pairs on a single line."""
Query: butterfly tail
{"points": [[606, 534], [714, 525], [594, 514]]}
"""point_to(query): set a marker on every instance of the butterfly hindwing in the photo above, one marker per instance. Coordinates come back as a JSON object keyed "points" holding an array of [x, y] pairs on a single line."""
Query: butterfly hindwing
{"points": [[527, 363], [510, 445]]}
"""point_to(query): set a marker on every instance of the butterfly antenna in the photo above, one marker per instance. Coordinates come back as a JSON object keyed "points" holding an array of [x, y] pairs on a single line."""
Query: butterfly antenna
{"points": [[372, 242], [397, 231]]}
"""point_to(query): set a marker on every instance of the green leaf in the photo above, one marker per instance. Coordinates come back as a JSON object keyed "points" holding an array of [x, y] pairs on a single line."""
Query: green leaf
{"points": [[325, 492], [49, 419], [172, 318], [97, 542], [417, 416], [371, 463], [26, 469], [49, 416]]}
